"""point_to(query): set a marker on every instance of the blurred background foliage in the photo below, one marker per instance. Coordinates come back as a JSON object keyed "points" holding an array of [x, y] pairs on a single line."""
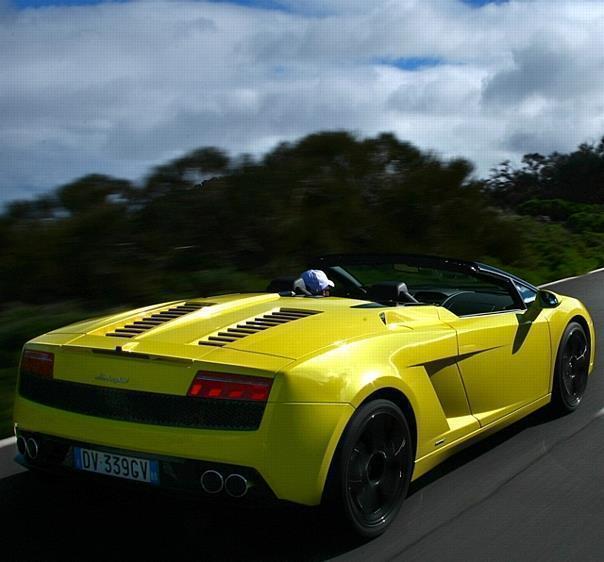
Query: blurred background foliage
{"points": [[207, 223]]}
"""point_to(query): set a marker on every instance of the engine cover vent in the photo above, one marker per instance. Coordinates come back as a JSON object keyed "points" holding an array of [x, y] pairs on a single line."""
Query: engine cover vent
{"points": [[270, 320], [149, 322]]}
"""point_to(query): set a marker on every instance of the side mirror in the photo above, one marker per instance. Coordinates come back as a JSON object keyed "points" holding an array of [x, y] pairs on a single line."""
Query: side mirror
{"points": [[547, 299]]}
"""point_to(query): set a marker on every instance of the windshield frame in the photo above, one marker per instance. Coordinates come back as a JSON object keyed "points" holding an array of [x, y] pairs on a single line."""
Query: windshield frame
{"points": [[473, 269]]}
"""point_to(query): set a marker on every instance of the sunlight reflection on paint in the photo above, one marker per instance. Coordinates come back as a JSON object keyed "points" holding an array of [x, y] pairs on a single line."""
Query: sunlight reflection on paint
{"points": [[368, 377]]}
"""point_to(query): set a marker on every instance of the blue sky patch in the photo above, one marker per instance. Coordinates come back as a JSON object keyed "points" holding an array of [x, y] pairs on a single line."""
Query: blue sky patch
{"points": [[267, 4], [22, 4], [412, 63], [479, 3]]}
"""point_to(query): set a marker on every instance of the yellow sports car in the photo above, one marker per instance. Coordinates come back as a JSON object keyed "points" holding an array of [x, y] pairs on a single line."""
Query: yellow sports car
{"points": [[340, 398]]}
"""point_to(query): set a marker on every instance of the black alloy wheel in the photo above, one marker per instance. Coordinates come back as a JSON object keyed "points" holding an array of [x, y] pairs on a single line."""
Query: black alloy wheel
{"points": [[373, 467], [572, 366]]}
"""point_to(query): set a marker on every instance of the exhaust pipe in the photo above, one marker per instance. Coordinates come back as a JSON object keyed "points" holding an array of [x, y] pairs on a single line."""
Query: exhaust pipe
{"points": [[21, 445], [236, 485], [32, 448], [212, 482]]}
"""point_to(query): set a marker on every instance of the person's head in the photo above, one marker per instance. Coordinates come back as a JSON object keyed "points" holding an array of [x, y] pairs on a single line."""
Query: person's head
{"points": [[316, 282]]}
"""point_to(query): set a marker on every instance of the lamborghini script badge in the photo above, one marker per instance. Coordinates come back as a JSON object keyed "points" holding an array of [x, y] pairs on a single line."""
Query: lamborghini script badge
{"points": [[116, 380]]}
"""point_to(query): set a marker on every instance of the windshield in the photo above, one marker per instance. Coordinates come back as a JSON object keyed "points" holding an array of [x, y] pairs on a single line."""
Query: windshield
{"points": [[415, 277], [464, 288]]}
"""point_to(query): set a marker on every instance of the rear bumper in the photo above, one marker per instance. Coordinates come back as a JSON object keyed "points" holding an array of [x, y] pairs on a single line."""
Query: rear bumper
{"points": [[55, 455], [288, 456]]}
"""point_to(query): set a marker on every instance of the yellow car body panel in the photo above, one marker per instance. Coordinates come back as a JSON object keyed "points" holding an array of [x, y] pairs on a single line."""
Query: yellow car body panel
{"points": [[460, 377], [513, 354]]}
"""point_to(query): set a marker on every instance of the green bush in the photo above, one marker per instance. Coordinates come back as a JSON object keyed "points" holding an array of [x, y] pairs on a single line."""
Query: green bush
{"points": [[7, 391], [555, 209], [551, 252], [586, 221], [18, 324]]}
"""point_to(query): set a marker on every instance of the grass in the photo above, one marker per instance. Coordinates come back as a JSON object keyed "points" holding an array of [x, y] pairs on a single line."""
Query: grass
{"points": [[18, 324], [8, 377]]}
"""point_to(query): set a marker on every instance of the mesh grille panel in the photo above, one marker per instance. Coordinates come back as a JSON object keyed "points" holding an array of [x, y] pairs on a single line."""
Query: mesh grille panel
{"points": [[142, 407]]}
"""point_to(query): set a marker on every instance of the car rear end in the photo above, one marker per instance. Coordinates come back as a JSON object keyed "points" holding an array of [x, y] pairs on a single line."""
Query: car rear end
{"points": [[211, 427]]}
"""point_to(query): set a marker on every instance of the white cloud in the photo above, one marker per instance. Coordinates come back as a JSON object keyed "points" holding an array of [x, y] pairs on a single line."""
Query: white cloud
{"points": [[115, 88]]}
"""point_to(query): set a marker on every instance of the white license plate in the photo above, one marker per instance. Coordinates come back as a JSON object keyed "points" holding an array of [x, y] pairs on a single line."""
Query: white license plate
{"points": [[120, 466]]}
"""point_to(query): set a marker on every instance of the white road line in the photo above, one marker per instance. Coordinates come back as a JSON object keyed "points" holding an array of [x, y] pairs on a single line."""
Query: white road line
{"points": [[7, 442], [571, 278]]}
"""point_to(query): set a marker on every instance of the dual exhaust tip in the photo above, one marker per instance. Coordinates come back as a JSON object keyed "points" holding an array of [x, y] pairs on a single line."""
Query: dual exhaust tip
{"points": [[28, 447], [235, 485]]}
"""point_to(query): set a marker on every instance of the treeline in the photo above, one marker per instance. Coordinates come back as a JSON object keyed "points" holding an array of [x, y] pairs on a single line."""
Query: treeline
{"points": [[207, 222], [566, 188], [577, 177]]}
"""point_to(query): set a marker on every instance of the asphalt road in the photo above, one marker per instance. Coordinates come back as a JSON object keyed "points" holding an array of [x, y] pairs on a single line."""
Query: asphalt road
{"points": [[532, 492]]}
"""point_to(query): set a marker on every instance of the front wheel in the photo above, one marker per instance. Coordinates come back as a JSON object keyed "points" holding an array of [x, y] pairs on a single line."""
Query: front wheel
{"points": [[572, 367], [372, 468]]}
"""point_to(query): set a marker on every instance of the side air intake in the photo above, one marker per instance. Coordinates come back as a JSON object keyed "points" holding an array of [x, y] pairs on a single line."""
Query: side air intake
{"points": [[270, 320], [149, 322]]}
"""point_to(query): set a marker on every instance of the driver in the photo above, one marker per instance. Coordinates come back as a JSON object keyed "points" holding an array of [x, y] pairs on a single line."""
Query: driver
{"points": [[317, 283]]}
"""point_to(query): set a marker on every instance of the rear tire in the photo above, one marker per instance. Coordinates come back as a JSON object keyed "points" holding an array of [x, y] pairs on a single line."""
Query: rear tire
{"points": [[371, 470], [572, 366]]}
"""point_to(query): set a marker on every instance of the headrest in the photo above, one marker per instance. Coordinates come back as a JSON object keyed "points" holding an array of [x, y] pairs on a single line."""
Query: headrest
{"points": [[281, 285], [389, 292], [287, 285], [299, 287]]}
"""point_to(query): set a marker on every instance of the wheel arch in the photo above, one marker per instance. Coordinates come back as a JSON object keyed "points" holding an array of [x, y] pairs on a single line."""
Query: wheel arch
{"points": [[569, 310], [561, 402], [395, 396], [398, 397], [587, 327]]}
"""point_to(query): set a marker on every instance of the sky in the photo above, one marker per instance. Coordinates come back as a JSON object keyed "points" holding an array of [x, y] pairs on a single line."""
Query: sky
{"points": [[90, 86]]}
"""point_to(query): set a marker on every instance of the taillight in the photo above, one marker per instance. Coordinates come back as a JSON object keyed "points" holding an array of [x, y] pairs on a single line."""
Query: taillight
{"points": [[38, 363], [230, 387]]}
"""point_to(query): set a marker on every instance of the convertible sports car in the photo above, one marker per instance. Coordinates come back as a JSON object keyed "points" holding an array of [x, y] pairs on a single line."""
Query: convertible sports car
{"points": [[337, 400]]}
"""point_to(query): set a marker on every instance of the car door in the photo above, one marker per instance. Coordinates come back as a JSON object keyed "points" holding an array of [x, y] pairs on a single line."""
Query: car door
{"points": [[504, 357]]}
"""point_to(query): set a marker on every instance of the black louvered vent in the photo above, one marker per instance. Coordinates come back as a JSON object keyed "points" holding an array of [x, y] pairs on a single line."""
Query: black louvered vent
{"points": [[234, 333], [150, 322]]}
